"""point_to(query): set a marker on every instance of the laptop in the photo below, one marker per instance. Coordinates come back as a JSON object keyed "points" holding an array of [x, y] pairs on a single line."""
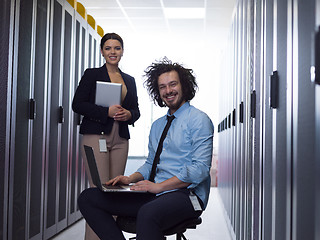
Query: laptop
{"points": [[96, 178], [108, 93]]}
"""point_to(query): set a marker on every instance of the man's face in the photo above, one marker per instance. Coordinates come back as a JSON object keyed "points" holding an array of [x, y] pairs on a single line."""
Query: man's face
{"points": [[170, 90]]}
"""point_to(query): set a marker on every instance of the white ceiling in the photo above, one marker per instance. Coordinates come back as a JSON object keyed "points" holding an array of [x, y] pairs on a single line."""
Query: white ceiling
{"points": [[148, 35], [147, 16]]}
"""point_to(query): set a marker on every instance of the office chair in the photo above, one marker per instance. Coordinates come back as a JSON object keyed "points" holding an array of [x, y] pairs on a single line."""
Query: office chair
{"points": [[128, 224]]}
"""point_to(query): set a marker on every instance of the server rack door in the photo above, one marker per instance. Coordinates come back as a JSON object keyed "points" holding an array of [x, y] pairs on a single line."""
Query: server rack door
{"points": [[266, 134], [231, 151], [256, 206], [90, 49], [36, 188], [237, 158], [317, 111], [6, 49], [53, 128], [21, 128], [95, 53], [233, 187], [257, 161], [65, 107], [245, 90], [279, 149], [303, 117], [94, 47], [82, 178], [289, 118], [250, 120], [75, 164], [244, 161]]}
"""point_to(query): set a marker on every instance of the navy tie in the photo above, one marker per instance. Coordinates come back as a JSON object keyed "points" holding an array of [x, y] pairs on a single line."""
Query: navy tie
{"points": [[159, 149]]}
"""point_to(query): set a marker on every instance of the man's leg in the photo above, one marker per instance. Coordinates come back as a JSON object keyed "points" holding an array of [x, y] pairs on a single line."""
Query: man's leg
{"points": [[164, 212], [98, 207]]}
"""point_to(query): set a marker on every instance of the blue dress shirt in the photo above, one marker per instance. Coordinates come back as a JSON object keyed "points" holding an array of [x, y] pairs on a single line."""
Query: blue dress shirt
{"points": [[187, 150]]}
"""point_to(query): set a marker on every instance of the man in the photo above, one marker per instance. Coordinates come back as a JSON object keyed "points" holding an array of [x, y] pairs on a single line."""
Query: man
{"points": [[179, 187]]}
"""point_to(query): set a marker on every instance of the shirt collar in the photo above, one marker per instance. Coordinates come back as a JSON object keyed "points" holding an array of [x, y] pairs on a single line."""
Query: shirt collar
{"points": [[180, 110]]}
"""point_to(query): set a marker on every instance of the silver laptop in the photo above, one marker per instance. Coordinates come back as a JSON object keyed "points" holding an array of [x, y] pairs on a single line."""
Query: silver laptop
{"points": [[108, 94], [96, 178]]}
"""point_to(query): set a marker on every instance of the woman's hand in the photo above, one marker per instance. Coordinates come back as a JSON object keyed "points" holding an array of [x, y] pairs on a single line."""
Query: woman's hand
{"points": [[122, 115], [118, 113]]}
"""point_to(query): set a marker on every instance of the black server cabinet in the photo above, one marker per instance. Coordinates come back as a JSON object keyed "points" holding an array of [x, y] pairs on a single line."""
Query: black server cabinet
{"points": [[44, 56], [237, 137], [65, 115], [278, 93], [266, 133], [35, 190], [256, 122], [76, 164], [316, 63], [20, 122], [28, 120], [6, 48], [53, 153], [303, 121], [59, 129], [281, 136], [53, 121], [250, 116]]}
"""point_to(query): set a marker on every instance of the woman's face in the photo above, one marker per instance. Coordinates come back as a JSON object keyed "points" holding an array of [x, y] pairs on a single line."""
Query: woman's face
{"points": [[112, 51]]}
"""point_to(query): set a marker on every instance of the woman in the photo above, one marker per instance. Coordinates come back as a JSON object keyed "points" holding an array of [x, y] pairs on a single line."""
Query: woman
{"points": [[106, 126]]}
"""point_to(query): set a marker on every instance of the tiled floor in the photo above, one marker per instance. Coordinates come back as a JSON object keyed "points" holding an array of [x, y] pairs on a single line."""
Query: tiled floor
{"points": [[213, 226]]}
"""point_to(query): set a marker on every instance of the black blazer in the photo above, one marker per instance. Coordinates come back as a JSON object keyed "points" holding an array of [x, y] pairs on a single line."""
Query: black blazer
{"points": [[96, 120]]}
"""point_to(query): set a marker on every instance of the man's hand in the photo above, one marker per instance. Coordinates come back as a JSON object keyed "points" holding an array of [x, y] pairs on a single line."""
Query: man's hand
{"points": [[146, 185], [126, 180], [119, 180]]}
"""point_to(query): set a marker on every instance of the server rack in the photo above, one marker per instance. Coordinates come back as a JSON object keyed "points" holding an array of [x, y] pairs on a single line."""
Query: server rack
{"points": [[43, 173], [6, 49], [316, 80], [271, 191]]}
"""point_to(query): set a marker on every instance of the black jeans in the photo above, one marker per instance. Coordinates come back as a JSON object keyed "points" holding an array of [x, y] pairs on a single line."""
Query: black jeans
{"points": [[154, 214]]}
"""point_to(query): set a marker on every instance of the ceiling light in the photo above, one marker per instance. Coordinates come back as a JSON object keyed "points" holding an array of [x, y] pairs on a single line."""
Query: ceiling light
{"points": [[178, 13]]}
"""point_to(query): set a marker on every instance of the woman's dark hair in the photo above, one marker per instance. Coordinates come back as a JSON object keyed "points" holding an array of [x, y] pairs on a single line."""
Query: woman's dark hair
{"points": [[108, 36], [187, 79]]}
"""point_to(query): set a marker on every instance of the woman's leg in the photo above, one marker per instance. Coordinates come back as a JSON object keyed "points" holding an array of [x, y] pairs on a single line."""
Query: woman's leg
{"points": [[102, 161], [164, 212], [118, 149], [102, 158]]}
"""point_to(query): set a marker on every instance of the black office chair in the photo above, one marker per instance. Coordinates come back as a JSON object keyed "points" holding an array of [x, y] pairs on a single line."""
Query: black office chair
{"points": [[128, 224]]}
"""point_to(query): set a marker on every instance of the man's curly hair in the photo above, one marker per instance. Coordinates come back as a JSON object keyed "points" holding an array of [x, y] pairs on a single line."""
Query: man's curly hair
{"points": [[187, 79]]}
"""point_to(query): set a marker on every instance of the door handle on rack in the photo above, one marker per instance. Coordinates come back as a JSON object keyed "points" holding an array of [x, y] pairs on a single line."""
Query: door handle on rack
{"points": [[61, 114], [274, 90], [234, 117], [253, 104], [32, 109], [241, 112], [317, 57]]}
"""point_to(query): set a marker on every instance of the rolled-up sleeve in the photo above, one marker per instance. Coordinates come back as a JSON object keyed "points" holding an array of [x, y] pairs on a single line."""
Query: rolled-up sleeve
{"points": [[196, 171]]}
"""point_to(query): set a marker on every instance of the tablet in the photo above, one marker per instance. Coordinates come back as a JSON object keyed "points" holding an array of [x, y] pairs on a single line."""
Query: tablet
{"points": [[108, 93]]}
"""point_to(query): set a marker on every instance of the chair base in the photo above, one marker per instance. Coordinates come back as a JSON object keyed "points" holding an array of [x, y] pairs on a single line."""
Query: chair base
{"points": [[128, 224], [179, 236]]}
